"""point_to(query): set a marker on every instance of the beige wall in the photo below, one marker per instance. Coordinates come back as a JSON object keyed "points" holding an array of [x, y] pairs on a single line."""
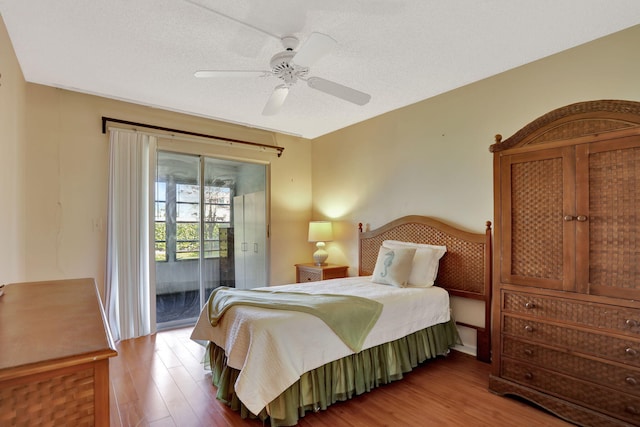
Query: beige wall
{"points": [[12, 143], [67, 173], [432, 158], [54, 165]]}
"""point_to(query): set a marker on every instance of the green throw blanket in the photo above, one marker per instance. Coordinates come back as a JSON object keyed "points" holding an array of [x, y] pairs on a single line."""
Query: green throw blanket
{"points": [[350, 317]]}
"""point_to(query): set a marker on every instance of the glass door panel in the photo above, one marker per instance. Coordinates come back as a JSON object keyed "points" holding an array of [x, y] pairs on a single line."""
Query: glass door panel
{"points": [[177, 239], [195, 231]]}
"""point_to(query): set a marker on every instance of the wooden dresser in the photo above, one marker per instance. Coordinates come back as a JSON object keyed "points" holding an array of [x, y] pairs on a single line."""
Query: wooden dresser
{"points": [[54, 355], [567, 263]]}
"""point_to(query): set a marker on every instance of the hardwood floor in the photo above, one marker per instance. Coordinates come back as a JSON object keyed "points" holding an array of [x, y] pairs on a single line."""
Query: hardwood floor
{"points": [[159, 380]]}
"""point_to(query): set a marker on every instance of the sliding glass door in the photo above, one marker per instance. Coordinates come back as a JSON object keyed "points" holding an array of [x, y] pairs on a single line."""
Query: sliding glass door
{"points": [[195, 228]]}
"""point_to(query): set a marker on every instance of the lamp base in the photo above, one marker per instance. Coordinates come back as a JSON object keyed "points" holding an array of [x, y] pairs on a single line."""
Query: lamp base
{"points": [[320, 255]]}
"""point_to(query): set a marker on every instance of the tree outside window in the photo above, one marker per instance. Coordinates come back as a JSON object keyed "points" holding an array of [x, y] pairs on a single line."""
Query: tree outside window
{"points": [[186, 199], [161, 221]]}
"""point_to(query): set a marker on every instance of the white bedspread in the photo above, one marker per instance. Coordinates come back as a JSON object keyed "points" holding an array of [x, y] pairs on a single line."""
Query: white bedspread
{"points": [[273, 348]]}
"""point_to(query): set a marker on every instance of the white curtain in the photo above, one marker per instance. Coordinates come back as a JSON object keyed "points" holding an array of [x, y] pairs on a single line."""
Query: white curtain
{"points": [[130, 288]]}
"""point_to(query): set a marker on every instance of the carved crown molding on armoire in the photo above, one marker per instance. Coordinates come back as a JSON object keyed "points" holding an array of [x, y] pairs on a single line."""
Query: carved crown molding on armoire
{"points": [[587, 118]]}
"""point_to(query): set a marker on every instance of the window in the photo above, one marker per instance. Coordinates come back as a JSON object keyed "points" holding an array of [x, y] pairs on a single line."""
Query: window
{"points": [[217, 216], [161, 221], [187, 221], [185, 199]]}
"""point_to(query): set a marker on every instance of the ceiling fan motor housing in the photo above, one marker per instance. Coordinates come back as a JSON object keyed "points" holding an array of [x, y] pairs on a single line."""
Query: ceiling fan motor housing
{"points": [[283, 68]]}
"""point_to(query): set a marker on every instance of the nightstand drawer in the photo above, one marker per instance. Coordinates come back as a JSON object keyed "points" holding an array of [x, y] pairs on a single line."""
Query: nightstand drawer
{"points": [[314, 273], [309, 276]]}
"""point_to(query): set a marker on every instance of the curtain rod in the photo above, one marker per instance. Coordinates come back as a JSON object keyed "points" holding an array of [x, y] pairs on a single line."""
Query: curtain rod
{"points": [[185, 132]]}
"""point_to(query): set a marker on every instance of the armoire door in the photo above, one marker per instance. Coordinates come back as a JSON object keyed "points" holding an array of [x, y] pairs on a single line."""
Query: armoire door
{"points": [[608, 216], [537, 195]]}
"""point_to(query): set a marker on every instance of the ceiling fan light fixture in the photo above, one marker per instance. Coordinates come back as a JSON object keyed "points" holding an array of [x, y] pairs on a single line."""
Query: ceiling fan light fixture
{"points": [[276, 100]]}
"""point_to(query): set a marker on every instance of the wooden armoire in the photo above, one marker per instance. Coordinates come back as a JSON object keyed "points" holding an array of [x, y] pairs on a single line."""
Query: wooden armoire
{"points": [[566, 308]]}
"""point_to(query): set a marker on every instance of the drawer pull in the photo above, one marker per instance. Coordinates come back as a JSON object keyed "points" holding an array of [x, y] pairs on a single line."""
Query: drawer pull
{"points": [[528, 376], [630, 351], [632, 410], [631, 380], [528, 352], [581, 218], [631, 323], [530, 305], [529, 328]]}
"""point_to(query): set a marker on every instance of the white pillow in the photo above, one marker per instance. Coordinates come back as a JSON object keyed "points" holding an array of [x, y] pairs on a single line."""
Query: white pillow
{"points": [[393, 266], [426, 260]]}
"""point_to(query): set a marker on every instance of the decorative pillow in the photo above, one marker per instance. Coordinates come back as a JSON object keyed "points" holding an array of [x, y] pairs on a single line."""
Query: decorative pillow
{"points": [[393, 266], [426, 261]]}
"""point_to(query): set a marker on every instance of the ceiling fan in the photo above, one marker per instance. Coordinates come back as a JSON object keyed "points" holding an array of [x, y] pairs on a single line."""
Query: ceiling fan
{"points": [[290, 66]]}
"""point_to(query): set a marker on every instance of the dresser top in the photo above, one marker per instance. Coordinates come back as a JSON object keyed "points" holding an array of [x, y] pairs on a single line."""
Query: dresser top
{"points": [[41, 322]]}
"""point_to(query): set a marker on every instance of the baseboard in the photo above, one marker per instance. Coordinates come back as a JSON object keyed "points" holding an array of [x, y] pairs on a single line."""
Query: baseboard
{"points": [[467, 349]]}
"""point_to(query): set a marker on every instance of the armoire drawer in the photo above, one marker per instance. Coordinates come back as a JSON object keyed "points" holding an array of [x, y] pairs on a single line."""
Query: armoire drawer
{"points": [[624, 379], [615, 403], [622, 319], [625, 351]]}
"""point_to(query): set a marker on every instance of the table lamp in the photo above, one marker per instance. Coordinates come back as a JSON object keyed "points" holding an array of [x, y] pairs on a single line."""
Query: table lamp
{"points": [[320, 232]]}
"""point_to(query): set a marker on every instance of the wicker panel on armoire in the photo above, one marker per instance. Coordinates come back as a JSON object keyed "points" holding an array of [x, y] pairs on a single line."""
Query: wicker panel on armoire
{"points": [[566, 307]]}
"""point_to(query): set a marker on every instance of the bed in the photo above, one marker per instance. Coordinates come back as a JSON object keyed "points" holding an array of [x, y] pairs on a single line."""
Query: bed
{"points": [[279, 364]]}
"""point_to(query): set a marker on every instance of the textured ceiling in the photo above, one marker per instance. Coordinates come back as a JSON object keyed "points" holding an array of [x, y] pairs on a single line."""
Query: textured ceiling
{"points": [[398, 51]]}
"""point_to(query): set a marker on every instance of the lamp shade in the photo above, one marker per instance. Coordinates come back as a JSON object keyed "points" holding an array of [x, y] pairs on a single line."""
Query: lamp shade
{"points": [[320, 231]]}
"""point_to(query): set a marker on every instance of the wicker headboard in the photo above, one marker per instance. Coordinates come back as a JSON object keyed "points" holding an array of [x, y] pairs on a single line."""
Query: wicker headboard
{"points": [[465, 269]]}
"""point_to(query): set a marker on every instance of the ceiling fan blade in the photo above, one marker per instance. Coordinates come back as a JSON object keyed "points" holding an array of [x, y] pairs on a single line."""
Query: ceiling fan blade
{"points": [[316, 46], [275, 100], [229, 73], [338, 90]]}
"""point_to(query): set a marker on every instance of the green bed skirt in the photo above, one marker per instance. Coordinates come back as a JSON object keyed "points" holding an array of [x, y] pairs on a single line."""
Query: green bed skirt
{"points": [[340, 380]]}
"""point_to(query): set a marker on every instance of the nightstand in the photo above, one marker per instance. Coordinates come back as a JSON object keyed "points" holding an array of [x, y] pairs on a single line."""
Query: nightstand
{"points": [[311, 272]]}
